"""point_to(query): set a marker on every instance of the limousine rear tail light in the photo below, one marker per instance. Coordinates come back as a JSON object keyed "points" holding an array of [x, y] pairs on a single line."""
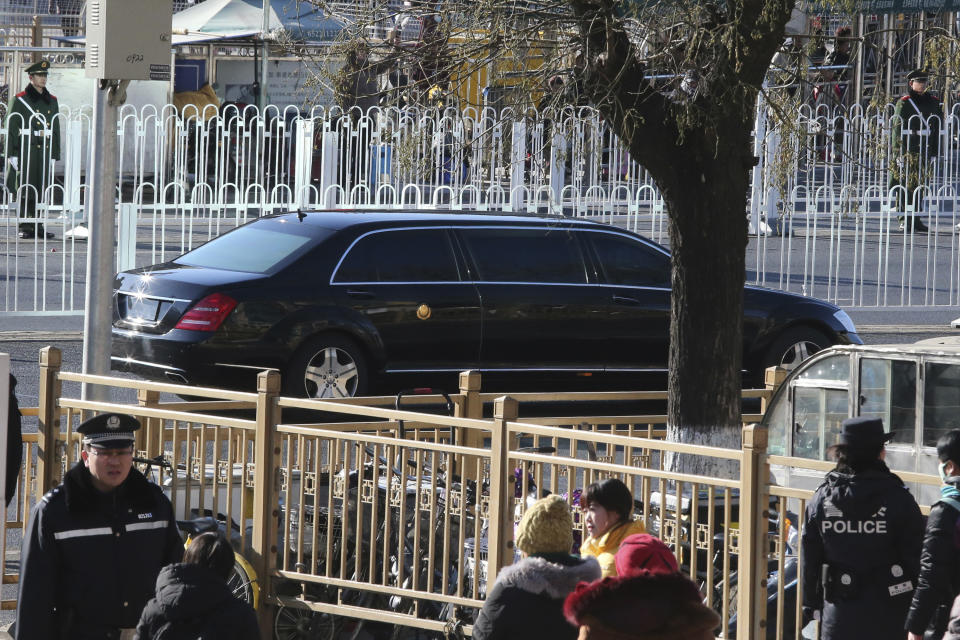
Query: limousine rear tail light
{"points": [[208, 314]]}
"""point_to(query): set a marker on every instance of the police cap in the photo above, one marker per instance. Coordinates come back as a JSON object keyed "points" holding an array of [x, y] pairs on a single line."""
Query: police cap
{"points": [[39, 68], [918, 74], [109, 430], [863, 432]]}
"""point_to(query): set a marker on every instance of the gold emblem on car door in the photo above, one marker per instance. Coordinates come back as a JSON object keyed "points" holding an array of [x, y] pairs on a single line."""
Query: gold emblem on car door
{"points": [[423, 312]]}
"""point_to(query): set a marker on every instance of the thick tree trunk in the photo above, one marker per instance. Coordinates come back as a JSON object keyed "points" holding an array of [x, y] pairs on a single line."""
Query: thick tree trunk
{"points": [[708, 234], [697, 149]]}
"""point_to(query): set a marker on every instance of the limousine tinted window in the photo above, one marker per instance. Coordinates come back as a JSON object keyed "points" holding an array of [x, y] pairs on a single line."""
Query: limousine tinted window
{"points": [[263, 248], [410, 255], [526, 255], [628, 262]]}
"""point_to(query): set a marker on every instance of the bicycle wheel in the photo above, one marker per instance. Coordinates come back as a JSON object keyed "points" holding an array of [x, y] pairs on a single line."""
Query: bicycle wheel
{"points": [[243, 581], [294, 623]]}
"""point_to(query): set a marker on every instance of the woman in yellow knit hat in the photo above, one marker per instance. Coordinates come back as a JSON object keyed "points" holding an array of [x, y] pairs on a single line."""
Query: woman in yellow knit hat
{"points": [[527, 599]]}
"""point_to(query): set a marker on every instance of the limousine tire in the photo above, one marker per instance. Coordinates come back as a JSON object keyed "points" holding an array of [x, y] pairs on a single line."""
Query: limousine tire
{"points": [[328, 366], [794, 346]]}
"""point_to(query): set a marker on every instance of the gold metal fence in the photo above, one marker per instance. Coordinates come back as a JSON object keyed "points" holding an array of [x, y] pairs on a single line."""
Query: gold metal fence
{"points": [[353, 513]]}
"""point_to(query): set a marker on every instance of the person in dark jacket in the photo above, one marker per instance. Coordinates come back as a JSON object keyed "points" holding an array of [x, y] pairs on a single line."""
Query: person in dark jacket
{"points": [[193, 601], [527, 599], [939, 581], [95, 544], [953, 628], [14, 442], [861, 541]]}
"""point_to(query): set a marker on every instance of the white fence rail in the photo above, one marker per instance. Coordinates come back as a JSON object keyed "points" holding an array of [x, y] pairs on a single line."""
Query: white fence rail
{"points": [[827, 226]]}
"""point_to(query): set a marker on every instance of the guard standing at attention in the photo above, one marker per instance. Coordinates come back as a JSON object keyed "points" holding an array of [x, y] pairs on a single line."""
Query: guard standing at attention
{"points": [[33, 141], [915, 143], [861, 541], [96, 543]]}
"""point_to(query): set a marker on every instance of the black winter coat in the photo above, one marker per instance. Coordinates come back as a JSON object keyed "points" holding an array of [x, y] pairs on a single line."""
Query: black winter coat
{"points": [[90, 560], [193, 603], [14, 443], [939, 580], [527, 599], [867, 529]]}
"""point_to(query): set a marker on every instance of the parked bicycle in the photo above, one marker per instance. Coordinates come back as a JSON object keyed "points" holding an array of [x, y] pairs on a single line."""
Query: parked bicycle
{"points": [[399, 549], [243, 578]]}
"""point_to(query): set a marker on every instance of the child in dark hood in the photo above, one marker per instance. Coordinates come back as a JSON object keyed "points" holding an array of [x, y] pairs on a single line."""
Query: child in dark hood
{"points": [[527, 599], [939, 581], [861, 541], [193, 601]]}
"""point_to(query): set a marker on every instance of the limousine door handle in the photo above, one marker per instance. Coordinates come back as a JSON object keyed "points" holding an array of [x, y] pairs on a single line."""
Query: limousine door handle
{"points": [[625, 300], [360, 294]]}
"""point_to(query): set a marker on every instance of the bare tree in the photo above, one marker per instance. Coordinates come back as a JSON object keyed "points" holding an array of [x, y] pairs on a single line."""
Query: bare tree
{"points": [[678, 81]]}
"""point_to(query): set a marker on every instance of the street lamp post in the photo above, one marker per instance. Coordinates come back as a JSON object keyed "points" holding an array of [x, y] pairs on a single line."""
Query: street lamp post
{"points": [[262, 95]]}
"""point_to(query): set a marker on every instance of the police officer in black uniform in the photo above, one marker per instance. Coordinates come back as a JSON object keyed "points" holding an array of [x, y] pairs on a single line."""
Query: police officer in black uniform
{"points": [[95, 544], [861, 542]]}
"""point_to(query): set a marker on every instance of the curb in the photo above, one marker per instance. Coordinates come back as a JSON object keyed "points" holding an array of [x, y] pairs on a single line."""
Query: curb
{"points": [[896, 328], [40, 336]]}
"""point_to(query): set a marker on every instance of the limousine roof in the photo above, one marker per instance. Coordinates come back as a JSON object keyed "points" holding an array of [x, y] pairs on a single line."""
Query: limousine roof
{"points": [[342, 218]]}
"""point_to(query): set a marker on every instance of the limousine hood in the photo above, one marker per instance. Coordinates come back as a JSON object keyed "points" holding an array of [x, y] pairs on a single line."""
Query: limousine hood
{"points": [[780, 306]]}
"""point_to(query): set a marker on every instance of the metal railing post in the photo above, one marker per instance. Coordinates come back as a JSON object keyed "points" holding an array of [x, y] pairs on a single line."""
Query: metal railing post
{"points": [[48, 416], [754, 492], [36, 36], [500, 533], [472, 408], [149, 438], [773, 377], [265, 508]]}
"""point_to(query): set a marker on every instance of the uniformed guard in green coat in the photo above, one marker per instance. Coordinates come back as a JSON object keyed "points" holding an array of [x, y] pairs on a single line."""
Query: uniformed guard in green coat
{"points": [[915, 142], [33, 140]]}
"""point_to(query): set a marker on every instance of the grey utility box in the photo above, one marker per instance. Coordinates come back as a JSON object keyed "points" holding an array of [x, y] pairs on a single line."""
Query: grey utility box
{"points": [[129, 39]]}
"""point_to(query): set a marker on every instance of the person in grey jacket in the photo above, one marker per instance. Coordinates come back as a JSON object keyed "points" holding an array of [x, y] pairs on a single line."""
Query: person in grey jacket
{"points": [[527, 599]]}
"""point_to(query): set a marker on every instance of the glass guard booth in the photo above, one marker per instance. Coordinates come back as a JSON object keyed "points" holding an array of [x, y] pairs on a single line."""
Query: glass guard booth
{"points": [[914, 389]]}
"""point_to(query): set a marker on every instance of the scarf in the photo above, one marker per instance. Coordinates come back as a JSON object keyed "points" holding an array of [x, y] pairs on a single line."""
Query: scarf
{"points": [[949, 491]]}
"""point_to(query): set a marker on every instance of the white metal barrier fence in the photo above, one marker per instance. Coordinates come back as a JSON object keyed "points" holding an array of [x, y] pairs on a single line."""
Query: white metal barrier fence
{"points": [[824, 210]]}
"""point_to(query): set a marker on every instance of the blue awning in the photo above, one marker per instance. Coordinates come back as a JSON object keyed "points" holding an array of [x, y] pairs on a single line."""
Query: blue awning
{"points": [[304, 21]]}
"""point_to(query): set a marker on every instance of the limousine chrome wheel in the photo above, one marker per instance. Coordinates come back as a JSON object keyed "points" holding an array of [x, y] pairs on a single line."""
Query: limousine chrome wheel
{"points": [[327, 367], [795, 346]]}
